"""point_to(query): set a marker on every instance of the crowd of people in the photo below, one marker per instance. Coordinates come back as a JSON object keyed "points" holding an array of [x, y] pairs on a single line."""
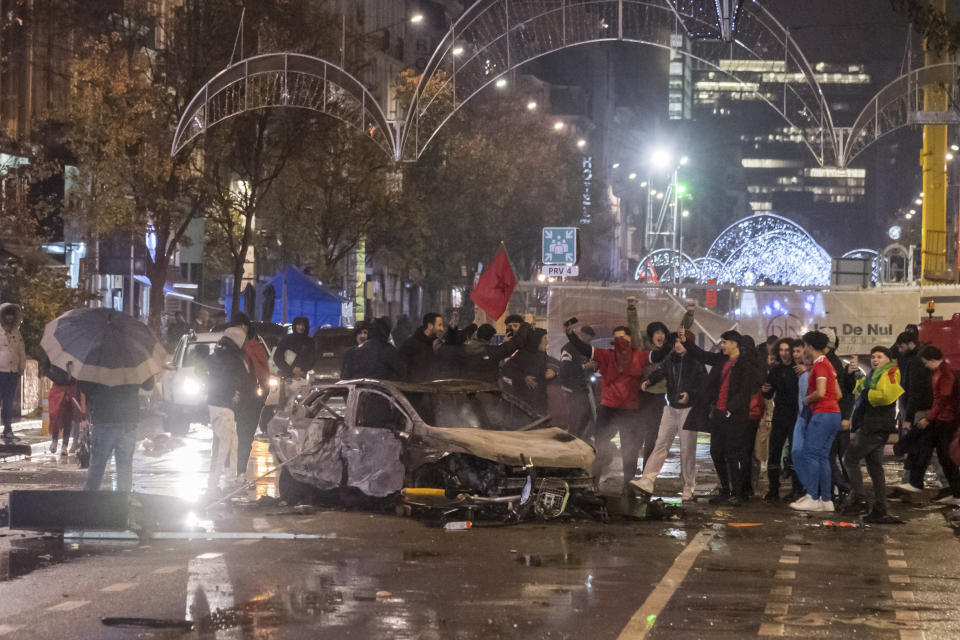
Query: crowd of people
{"points": [[788, 405]]}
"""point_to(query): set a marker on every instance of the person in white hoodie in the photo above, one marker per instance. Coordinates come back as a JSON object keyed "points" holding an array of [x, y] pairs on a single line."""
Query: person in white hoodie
{"points": [[13, 360]]}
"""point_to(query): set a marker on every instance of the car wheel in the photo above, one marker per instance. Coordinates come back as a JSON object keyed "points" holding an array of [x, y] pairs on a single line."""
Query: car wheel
{"points": [[292, 491], [177, 423]]}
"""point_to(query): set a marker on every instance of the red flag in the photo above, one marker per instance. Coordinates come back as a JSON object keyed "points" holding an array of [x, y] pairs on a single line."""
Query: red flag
{"points": [[495, 285]]}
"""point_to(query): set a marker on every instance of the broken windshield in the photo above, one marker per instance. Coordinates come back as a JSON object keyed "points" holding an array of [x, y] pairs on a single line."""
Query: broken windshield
{"points": [[476, 410]]}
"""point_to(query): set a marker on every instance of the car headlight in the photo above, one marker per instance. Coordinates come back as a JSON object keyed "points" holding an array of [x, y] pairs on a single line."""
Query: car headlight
{"points": [[191, 387]]}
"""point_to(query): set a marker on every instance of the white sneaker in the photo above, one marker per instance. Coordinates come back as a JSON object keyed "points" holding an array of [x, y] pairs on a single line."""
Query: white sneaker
{"points": [[826, 505], [906, 486], [806, 503]]}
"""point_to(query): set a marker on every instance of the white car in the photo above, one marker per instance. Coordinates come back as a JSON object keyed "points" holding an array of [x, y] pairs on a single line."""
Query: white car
{"points": [[184, 382]]}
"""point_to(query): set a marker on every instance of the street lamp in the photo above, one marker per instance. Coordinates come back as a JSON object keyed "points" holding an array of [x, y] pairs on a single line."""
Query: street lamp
{"points": [[581, 143], [458, 51], [558, 125], [532, 105], [416, 18], [632, 176], [501, 83]]}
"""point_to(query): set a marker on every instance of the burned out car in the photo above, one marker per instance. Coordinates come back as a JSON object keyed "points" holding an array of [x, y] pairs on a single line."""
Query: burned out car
{"points": [[452, 438]]}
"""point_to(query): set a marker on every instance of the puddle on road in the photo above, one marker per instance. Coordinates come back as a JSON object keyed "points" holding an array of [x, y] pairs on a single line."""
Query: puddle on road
{"points": [[33, 554]]}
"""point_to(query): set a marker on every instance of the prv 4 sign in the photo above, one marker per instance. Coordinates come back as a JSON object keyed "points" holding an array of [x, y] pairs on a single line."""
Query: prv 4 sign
{"points": [[559, 245]]}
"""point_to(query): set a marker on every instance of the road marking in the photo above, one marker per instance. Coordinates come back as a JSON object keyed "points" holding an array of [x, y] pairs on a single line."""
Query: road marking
{"points": [[69, 605], [903, 614], [768, 629], [897, 564], [903, 596], [170, 569], [894, 552], [795, 548], [912, 634], [899, 578], [776, 609], [789, 559], [120, 586], [782, 591], [785, 575], [645, 617], [9, 628]]}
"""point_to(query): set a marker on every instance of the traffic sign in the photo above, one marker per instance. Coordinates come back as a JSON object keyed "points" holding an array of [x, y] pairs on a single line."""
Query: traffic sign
{"points": [[560, 271], [559, 245]]}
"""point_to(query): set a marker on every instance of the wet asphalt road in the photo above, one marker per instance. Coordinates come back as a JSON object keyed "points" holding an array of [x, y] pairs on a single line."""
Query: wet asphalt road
{"points": [[702, 575]]}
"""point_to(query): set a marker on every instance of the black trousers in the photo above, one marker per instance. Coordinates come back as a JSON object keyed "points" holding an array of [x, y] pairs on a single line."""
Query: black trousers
{"points": [[729, 452], [248, 418], [935, 437], [867, 446], [749, 441], [609, 421], [579, 415], [838, 472], [781, 433], [649, 413]]}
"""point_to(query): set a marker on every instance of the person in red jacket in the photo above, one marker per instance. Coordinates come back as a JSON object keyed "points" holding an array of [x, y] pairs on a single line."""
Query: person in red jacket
{"points": [[257, 359], [620, 370], [937, 426]]}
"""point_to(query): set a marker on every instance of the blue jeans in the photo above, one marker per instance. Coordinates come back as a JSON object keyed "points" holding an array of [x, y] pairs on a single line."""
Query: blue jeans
{"points": [[9, 385], [111, 439], [812, 461]]}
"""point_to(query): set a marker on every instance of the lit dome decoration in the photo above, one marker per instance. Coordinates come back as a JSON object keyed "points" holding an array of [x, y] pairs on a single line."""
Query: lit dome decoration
{"points": [[658, 266], [783, 257], [759, 249], [868, 254]]}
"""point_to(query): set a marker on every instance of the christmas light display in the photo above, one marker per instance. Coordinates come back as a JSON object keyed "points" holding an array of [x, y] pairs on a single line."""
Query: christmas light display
{"points": [[868, 254]]}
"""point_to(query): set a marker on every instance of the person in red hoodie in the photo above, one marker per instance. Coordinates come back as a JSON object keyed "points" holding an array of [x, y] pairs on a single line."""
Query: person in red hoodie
{"points": [[620, 370], [938, 425]]}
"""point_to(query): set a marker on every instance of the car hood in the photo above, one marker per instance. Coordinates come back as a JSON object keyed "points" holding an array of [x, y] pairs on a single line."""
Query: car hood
{"points": [[550, 447]]}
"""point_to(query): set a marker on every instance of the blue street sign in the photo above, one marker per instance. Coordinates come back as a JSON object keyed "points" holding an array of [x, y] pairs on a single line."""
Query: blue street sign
{"points": [[559, 245]]}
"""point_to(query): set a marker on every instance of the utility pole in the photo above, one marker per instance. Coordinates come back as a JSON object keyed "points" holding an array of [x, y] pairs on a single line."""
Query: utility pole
{"points": [[933, 250]]}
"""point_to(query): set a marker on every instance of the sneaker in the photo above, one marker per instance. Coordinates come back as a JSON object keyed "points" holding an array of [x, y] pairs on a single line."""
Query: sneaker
{"points": [[773, 496], [826, 506], [74, 446], [63, 449], [53, 446], [909, 488], [950, 499], [719, 497], [806, 503]]}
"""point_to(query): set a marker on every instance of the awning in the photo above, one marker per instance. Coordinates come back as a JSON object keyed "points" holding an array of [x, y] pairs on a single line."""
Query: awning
{"points": [[168, 291]]}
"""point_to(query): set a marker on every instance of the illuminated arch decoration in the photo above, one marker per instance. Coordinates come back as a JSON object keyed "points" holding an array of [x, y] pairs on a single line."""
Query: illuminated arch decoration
{"points": [[659, 266], [286, 80], [708, 269], [897, 105], [494, 37], [876, 261], [784, 257], [748, 229]]}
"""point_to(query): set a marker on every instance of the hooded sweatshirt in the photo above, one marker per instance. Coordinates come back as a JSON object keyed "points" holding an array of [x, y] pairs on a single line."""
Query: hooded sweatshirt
{"points": [[620, 371], [295, 350], [228, 377], [13, 355]]}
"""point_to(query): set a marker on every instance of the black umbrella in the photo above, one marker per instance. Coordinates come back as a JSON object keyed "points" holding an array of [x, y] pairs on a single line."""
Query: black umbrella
{"points": [[103, 346]]}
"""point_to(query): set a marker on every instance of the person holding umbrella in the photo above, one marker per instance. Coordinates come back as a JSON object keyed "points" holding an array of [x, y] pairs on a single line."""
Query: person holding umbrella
{"points": [[112, 356]]}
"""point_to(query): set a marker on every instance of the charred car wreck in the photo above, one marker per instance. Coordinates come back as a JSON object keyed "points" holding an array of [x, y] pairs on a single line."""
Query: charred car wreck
{"points": [[446, 445]]}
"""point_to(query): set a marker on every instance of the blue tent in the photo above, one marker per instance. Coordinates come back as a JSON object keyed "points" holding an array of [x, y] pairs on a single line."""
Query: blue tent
{"points": [[304, 298]]}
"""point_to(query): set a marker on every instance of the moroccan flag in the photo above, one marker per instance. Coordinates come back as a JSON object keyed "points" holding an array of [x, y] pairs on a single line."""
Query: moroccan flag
{"points": [[495, 285]]}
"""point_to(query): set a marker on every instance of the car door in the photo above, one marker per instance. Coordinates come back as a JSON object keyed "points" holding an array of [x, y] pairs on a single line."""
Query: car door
{"points": [[169, 377], [315, 434], [373, 445]]}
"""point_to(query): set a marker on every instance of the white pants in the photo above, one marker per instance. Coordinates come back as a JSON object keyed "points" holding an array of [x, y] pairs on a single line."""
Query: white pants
{"points": [[224, 426], [670, 425]]}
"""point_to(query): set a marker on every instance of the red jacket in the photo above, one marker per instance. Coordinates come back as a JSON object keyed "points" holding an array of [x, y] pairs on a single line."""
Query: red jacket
{"points": [[757, 405], [620, 388], [942, 409], [258, 361]]}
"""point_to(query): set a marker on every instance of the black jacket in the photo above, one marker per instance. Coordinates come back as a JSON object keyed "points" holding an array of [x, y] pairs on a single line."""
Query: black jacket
{"points": [[117, 405], [572, 376], [303, 348], [785, 390], [745, 377], [480, 361], [684, 374], [917, 383], [524, 363], [847, 382], [228, 377], [375, 359]]}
